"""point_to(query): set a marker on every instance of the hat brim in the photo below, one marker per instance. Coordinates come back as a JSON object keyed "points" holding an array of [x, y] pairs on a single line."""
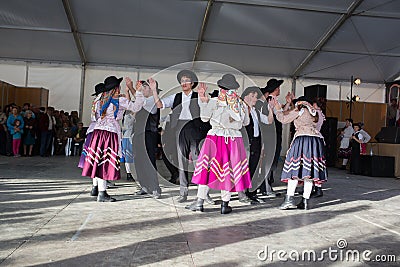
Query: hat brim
{"points": [[190, 74], [223, 85], [272, 87], [110, 86]]}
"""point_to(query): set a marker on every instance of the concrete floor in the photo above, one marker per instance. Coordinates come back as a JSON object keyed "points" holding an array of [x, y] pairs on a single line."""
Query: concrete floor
{"points": [[48, 218]]}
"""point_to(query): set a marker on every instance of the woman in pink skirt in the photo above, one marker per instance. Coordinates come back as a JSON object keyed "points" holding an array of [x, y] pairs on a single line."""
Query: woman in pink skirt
{"points": [[102, 162], [222, 163]]}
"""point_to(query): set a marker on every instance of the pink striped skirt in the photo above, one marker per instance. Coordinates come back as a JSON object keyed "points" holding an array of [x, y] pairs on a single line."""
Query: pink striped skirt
{"points": [[102, 158], [222, 164]]}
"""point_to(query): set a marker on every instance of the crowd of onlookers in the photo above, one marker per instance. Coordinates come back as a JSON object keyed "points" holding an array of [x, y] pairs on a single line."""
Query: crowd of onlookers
{"points": [[30, 131]]}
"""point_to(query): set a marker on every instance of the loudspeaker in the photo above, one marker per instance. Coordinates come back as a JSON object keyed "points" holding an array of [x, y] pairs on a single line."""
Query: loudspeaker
{"points": [[316, 90], [329, 132], [377, 166], [389, 135]]}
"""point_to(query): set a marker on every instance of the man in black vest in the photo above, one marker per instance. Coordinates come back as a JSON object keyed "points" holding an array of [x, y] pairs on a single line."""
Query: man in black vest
{"points": [[186, 122], [253, 130], [272, 91], [145, 139]]}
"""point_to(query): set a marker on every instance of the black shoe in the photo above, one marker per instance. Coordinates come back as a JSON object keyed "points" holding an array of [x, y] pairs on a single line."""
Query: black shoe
{"points": [[225, 209], [343, 167], [129, 177], [288, 203], [95, 191], [317, 192], [141, 192], [256, 200], [104, 197], [196, 205], [303, 205]]}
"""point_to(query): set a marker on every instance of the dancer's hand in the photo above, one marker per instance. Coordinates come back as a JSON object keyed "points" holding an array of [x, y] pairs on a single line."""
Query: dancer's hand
{"points": [[138, 86], [153, 85], [129, 83], [202, 92]]}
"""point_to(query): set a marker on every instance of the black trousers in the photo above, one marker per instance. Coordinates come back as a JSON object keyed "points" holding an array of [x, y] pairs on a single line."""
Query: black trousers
{"points": [[255, 152], [144, 150], [188, 144]]}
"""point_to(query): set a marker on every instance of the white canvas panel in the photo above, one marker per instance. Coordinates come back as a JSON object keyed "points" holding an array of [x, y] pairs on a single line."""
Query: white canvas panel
{"points": [[13, 72], [63, 82]]}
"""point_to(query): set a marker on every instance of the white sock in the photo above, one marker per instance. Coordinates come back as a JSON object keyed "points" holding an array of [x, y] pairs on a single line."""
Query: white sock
{"points": [[127, 167], [102, 184], [318, 185], [291, 187], [225, 195], [95, 181], [308, 184], [345, 161], [202, 191]]}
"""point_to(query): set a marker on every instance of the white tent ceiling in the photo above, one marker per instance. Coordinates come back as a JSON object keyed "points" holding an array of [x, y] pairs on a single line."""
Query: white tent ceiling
{"points": [[303, 38]]}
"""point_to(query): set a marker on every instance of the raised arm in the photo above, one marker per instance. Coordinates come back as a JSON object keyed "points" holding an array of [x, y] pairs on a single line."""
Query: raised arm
{"points": [[284, 117], [153, 87]]}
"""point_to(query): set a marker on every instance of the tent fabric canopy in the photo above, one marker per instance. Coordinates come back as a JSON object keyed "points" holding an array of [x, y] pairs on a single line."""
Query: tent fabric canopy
{"points": [[306, 38]]}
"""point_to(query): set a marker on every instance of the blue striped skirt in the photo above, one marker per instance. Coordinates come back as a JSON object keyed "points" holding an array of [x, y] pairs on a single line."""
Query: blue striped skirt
{"points": [[305, 159]]}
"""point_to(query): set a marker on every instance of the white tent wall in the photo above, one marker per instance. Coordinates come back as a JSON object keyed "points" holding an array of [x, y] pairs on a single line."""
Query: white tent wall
{"points": [[13, 72], [63, 82]]}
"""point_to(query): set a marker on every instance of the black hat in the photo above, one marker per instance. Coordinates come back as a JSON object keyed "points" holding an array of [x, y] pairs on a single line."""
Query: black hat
{"points": [[190, 74], [111, 82], [98, 89], [228, 81], [214, 93], [252, 89], [272, 84], [302, 98]]}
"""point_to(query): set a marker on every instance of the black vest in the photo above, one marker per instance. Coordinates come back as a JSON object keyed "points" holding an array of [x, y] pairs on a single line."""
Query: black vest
{"points": [[193, 107], [250, 127], [145, 121]]}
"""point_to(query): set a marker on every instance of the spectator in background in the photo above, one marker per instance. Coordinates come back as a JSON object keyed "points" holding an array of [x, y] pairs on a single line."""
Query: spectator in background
{"points": [[345, 149], [29, 132], [12, 129], [78, 137], [355, 143], [3, 132], [25, 108], [74, 120], [8, 111], [62, 137], [392, 112], [46, 127], [16, 133]]}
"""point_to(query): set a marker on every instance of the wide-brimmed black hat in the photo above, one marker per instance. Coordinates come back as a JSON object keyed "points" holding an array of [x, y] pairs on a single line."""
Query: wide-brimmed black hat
{"points": [[252, 89], [214, 93], [111, 82], [302, 98], [98, 89], [272, 84], [228, 81], [190, 74]]}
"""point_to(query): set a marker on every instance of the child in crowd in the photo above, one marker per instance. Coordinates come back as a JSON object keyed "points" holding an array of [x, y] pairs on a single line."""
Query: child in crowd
{"points": [[16, 133]]}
